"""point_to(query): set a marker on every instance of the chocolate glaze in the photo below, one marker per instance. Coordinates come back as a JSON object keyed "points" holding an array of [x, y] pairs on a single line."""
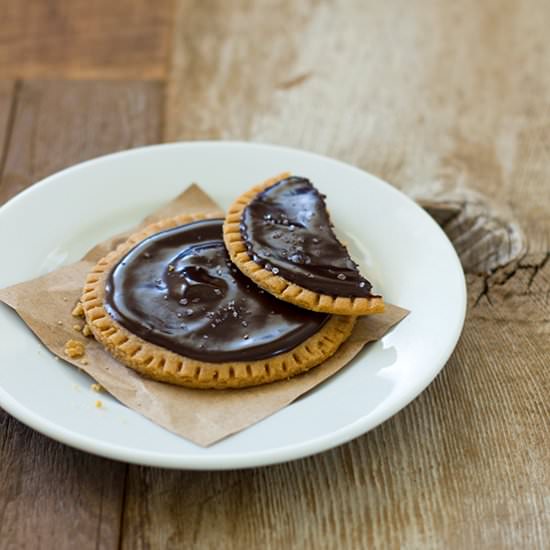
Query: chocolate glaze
{"points": [[288, 231], [178, 289]]}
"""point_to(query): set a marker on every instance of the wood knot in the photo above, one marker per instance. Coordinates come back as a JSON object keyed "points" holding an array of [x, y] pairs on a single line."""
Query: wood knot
{"points": [[484, 233]]}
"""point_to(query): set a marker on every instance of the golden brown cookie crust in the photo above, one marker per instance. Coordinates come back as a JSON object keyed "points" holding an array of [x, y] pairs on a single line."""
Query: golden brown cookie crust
{"points": [[163, 365], [277, 285]]}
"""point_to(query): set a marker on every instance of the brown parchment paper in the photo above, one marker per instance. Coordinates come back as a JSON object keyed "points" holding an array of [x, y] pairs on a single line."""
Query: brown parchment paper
{"points": [[202, 416]]}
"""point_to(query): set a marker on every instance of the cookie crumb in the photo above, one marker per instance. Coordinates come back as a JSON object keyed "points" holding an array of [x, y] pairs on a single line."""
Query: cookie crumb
{"points": [[97, 387], [86, 331], [65, 299], [78, 328], [98, 404], [78, 311], [84, 362], [59, 323], [74, 349]]}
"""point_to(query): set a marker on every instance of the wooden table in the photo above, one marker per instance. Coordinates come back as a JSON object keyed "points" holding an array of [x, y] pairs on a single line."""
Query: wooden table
{"points": [[449, 101]]}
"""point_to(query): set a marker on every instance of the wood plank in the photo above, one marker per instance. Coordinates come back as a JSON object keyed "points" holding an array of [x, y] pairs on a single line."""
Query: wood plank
{"points": [[7, 92], [82, 39], [52, 496], [438, 98], [58, 123]]}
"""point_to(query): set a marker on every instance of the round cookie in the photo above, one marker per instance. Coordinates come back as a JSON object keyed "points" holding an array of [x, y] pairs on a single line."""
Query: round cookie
{"points": [[297, 277], [324, 333]]}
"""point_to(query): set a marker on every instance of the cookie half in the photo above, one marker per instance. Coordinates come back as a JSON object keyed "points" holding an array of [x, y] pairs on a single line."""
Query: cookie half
{"points": [[279, 234], [169, 304]]}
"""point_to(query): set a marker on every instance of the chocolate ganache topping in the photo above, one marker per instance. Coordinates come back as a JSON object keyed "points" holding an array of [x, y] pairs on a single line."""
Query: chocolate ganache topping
{"points": [[179, 290], [288, 231]]}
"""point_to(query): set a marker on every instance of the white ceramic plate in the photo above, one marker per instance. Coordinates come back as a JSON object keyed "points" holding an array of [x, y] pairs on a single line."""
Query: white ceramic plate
{"points": [[400, 248]]}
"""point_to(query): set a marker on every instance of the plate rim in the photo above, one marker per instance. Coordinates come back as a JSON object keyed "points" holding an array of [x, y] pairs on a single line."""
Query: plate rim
{"points": [[242, 460]]}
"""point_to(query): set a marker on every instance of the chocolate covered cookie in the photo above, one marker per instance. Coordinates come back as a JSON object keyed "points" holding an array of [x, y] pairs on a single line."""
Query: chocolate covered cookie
{"points": [[170, 304], [279, 234]]}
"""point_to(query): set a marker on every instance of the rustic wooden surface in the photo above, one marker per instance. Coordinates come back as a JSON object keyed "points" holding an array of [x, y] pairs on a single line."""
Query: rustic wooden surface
{"points": [[449, 102]]}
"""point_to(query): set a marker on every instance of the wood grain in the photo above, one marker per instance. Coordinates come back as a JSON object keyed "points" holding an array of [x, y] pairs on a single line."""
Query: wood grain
{"points": [[52, 496], [59, 123], [437, 98], [82, 39], [7, 94]]}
